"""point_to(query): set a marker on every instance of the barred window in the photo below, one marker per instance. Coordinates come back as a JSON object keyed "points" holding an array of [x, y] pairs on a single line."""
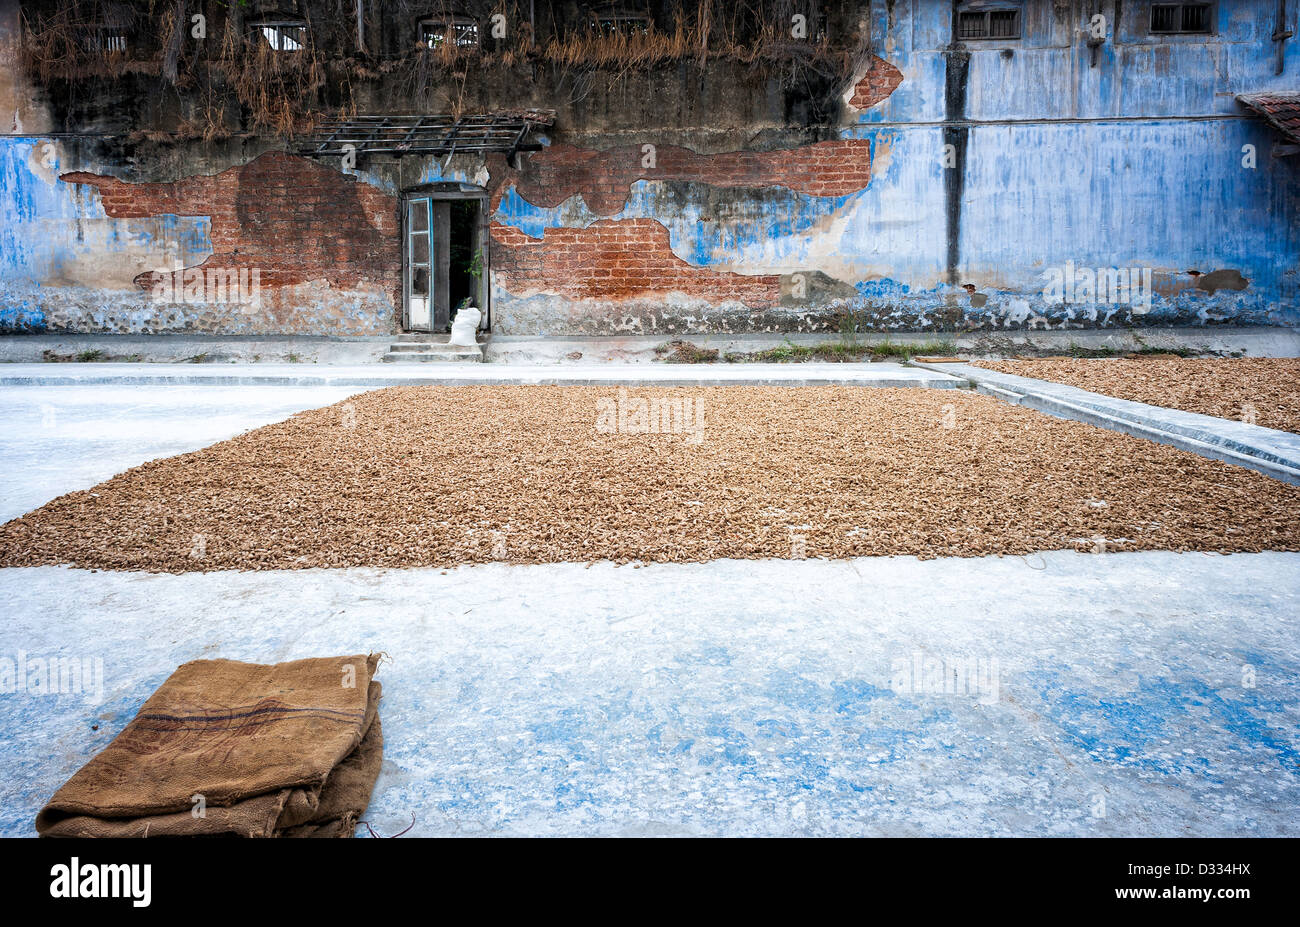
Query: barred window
{"points": [[109, 39], [614, 19], [1180, 18], [989, 24], [460, 31], [282, 35]]}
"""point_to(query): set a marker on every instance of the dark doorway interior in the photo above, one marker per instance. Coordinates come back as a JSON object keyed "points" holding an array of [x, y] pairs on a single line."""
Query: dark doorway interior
{"points": [[466, 260]]}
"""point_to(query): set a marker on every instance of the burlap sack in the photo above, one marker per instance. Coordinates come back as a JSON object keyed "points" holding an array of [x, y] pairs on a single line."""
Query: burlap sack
{"points": [[286, 750]]}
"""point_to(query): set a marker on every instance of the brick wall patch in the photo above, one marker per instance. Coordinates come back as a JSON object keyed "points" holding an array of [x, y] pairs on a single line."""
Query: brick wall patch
{"points": [[293, 220], [881, 79], [614, 260], [604, 178]]}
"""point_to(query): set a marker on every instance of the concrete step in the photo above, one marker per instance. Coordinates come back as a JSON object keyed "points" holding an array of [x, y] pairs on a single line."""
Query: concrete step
{"points": [[427, 347], [415, 346], [433, 354]]}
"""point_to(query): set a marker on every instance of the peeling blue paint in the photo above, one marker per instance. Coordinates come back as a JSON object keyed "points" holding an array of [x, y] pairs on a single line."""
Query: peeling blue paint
{"points": [[62, 256], [1134, 161]]}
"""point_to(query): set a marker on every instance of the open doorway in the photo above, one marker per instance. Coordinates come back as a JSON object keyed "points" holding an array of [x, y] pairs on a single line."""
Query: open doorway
{"points": [[445, 255], [466, 256]]}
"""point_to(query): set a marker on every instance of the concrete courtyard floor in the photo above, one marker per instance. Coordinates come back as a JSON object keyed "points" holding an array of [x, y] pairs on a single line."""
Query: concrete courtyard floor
{"points": [[60, 438], [1143, 694]]}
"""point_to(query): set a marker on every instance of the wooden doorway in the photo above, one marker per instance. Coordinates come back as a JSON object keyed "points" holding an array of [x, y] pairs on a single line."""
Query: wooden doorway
{"points": [[444, 255]]}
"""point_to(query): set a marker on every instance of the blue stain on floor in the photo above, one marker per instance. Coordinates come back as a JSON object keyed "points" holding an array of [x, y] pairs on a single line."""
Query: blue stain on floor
{"points": [[794, 690], [853, 696], [1149, 727], [566, 729]]}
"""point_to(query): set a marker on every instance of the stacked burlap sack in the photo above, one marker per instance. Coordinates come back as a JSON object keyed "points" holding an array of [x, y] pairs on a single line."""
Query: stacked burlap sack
{"points": [[235, 749]]}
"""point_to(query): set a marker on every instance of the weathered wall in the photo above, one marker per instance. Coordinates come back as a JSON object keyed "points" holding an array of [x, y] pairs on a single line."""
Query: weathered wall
{"points": [[1054, 164], [1134, 162], [958, 180], [280, 244], [322, 248], [22, 105]]}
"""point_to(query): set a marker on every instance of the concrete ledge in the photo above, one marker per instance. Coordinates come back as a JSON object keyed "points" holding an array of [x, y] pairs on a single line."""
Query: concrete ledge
{"points": [[1248, 340], [380, 375], [198, 349], [1267, 450], [997, 393]]}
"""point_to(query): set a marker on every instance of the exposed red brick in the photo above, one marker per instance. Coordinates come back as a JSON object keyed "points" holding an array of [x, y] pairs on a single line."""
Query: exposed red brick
{"points": [[604, 178], [289, 217], [296, 221], [881, 79], [616, 259]]}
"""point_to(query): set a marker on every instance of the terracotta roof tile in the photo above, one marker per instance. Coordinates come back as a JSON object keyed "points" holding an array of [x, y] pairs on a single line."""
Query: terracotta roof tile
{"points": [[1282, 110]]}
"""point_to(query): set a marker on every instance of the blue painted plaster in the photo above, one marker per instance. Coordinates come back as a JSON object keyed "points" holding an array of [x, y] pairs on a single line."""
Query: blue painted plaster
{"points": [[58, 246]]}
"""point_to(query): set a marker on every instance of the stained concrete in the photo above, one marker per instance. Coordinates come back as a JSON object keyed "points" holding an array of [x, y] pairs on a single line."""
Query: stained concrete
{"points": [[1148, 694], [206, 349], [1248, 340]]}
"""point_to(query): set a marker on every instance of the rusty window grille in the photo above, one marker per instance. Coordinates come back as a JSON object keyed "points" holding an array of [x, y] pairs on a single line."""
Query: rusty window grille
{"points": [[615, 19], [282, 35], [627, 25], [1180, 18], [461, 32], [989, 24], [108, 39]]}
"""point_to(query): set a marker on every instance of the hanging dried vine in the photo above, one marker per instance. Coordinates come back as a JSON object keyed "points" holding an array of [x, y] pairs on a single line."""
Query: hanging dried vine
{"points": [[234, 73]]}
